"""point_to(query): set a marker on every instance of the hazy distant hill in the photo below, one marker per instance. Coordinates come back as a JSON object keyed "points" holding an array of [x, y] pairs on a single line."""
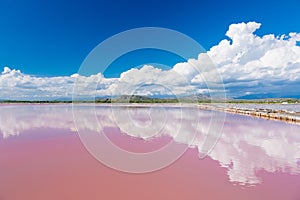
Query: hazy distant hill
{"points": [[131, 97], [147, 99], [141, 99]]}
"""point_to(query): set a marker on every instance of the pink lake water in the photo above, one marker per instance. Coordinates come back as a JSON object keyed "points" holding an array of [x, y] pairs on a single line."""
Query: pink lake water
{"points": [[42, 156]]}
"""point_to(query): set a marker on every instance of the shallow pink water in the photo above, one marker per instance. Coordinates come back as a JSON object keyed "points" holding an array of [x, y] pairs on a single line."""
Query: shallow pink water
{"points": [[41, 157]]}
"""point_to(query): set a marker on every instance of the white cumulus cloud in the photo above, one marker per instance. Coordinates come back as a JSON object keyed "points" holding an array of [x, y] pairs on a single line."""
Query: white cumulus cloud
{"points": [[247, 64]]}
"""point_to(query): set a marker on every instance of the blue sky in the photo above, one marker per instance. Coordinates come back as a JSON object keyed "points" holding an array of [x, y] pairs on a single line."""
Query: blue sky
{"points": [[52, 38]]}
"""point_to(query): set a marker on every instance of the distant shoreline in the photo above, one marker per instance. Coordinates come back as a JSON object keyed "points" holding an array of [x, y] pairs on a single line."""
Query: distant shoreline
{"points": [[156, 101], [270, 114]]}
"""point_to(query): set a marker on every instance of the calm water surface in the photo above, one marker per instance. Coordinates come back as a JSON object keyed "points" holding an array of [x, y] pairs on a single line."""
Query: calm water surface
{"points": [[42, 156]]}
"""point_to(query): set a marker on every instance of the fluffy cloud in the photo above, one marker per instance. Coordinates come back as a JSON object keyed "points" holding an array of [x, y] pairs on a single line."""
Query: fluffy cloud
{"points": [[154, 81], [256, 64], [16, 85], [247, 63]]}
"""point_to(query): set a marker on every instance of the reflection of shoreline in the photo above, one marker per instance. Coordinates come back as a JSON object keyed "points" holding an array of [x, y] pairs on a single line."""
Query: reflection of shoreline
{"points": [[273, 115], [270, 114]]}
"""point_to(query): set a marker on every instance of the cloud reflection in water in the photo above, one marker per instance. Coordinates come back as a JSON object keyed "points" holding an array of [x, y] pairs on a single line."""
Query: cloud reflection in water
{"points": [[247, 145]]}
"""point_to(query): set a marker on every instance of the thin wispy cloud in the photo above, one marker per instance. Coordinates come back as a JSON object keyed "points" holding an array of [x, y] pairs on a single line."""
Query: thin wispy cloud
{"points": [[247, 63]]}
